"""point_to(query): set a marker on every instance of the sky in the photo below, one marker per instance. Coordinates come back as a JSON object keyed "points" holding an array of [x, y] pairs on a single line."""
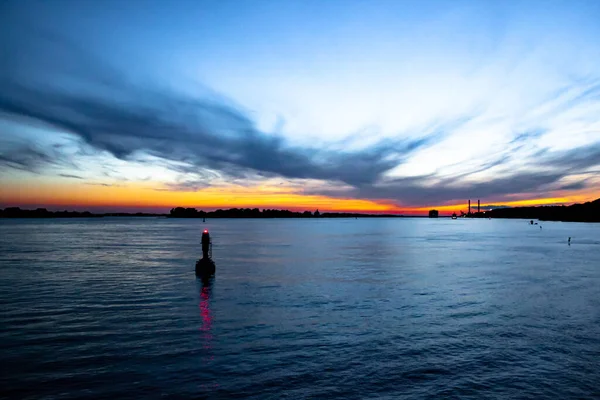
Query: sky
{"points": [[369, 106]]}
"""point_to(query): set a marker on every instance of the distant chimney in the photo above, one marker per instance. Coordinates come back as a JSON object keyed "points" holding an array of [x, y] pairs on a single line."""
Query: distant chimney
{"points": [[478, 206], [469, 210]]}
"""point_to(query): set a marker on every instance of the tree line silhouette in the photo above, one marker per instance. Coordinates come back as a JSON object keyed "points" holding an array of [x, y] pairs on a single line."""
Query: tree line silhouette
{"points": [[180, 212], [16, 212], [586, 212]]}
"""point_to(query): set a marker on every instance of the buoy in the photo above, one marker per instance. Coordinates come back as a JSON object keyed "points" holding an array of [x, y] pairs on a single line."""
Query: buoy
{"points": [[205, 266]]}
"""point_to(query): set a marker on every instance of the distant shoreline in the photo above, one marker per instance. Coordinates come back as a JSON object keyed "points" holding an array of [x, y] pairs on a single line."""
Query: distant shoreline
{"points": [[16, 212], [587, 212]]}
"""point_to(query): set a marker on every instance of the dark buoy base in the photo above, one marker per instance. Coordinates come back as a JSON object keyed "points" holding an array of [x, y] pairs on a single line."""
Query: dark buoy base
{"points": [[205, 267]]}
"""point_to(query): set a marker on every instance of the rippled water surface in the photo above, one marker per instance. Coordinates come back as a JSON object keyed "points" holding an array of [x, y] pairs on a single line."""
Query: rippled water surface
{"points": [[367, 308]]}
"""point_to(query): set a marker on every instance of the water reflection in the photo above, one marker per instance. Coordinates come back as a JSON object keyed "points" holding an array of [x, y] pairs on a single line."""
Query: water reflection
{"points": [[411, 303], [206, 315]]}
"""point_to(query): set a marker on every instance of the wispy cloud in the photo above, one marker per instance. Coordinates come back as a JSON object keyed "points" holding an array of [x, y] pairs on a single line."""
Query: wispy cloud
{"points": [[430, 190], [195, 134], [103, 184], [208, 141], [28, 157], [71, 176], [206, 136]]}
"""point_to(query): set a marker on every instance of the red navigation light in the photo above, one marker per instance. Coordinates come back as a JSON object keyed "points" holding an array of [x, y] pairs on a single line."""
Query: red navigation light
{"points": [[206, 231]]}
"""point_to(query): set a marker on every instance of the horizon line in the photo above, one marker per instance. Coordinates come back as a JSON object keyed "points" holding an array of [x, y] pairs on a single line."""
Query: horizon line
{"points": [[161, 210]]}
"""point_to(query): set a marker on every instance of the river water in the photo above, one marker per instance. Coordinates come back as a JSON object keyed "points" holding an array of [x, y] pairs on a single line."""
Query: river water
{"points": [[315, 308]]}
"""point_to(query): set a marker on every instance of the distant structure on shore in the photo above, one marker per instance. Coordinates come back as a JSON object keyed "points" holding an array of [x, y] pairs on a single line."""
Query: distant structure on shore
{"points": [[433, 213], [477, 214], [586, 212]]}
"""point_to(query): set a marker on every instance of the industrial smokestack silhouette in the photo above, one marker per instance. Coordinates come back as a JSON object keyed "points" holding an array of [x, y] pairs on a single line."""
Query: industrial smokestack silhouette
{"points": [[469, 210], [478, 206]]}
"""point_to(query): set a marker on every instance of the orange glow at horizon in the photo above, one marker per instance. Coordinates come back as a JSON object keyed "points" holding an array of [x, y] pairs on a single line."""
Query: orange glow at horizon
{"points": [[515, 203], [145, 195]]}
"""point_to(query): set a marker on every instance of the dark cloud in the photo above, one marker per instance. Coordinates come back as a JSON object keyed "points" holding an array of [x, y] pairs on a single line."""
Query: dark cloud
{"points": [[187, 186], [575, 160], [195, 134], [549, 168], [575, 186], [103, 184], [27, 157], [70, 176], [165, 125], [417, 191], [452, 190]]}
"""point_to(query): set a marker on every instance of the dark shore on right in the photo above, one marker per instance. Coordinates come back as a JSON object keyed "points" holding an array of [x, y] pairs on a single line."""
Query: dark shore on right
{"points": [[586, 212]]}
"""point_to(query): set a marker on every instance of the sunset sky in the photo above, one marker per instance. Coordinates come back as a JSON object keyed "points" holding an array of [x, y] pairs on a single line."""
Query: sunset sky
{"points": [[372, 106]]}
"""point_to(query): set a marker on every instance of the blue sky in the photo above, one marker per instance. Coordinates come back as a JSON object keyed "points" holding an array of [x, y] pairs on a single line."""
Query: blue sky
{"points": [[435, 100]]}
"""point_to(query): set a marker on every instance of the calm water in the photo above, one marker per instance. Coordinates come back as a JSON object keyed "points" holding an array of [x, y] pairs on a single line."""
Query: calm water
{"points": [[385, 308]]}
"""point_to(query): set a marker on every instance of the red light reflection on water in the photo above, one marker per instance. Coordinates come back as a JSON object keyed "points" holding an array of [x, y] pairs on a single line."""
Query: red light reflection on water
{"points": [[206, 317], [205, 309]]}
